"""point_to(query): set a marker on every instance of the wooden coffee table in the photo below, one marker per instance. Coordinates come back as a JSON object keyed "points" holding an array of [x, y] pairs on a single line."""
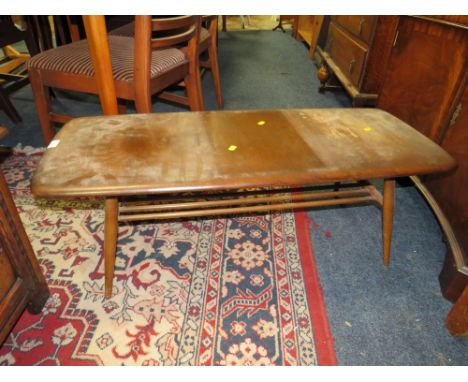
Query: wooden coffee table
{"points": [[232, 162]]}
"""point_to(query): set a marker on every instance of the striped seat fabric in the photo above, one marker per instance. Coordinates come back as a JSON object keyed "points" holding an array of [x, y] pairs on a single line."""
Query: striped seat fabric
{"points": [[128, 30], [74, 58]]}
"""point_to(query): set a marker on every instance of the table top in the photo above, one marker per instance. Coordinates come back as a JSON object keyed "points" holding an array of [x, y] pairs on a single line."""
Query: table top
{"points": [[224, 150]]}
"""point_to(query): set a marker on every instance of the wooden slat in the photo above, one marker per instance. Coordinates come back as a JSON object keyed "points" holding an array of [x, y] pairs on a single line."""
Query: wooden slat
{"points": [[173, 98], [243, 210], [168, 23], [60, 118], [241, 201], [170, 41]]}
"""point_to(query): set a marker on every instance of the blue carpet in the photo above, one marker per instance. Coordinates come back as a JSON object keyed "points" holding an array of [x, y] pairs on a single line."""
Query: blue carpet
{"points": [[378, 315]]}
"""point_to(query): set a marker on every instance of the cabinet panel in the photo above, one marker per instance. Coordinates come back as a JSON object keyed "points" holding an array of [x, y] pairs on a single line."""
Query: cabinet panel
{"points": [[308, 29], [426, 87], [7, 278], [424, 72], [451, 189], [346, 53]]}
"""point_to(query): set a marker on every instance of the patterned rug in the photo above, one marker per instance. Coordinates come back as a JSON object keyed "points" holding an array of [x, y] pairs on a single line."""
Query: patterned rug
{"points": [[237, 291]]}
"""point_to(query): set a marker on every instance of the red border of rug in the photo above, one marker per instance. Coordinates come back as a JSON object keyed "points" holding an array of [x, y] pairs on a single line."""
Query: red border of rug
{"points": [[322, 333]]}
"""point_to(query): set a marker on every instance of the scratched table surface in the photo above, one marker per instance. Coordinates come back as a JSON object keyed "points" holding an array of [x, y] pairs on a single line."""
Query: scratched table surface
{"points": [[223, 150]]}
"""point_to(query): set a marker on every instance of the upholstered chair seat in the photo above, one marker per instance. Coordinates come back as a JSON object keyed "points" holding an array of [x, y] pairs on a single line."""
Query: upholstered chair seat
{"points": [[74, 59]]}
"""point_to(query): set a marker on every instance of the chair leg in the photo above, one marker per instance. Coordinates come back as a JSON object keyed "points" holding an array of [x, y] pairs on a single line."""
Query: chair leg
{"points": [[7, 106], [122, 106], [194, 91], [143, 101], [43, 105], [213, 58]]}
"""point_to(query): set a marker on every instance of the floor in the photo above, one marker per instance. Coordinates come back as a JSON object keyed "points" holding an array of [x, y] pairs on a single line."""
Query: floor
{"points": [[378, 315]]}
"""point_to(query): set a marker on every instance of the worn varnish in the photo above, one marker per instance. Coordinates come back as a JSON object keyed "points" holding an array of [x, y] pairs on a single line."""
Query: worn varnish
{"points": [[169, 152], [145, 154]]}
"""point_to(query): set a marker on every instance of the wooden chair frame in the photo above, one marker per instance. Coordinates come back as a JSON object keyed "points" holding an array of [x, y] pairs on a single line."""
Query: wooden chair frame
{"points": [[142, 87]]}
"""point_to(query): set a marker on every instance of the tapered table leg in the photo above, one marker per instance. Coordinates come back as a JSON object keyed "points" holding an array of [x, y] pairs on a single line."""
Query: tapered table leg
{"points": [[110, 242], [388, 203]]}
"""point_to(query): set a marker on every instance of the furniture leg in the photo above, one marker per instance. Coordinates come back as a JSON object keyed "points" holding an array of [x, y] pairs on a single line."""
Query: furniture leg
{"points": [[194, 91], [110, 242], [213, 59], [280, 25], [323, 75], [457, 319], [223, 18], [43, 105], [242, 20], [388, 203], [8, 108], [452, 280], [38, 300]]}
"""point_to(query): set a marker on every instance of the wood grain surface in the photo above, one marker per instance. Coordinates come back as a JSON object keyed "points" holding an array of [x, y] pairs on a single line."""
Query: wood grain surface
{"points": [[201, 151]]}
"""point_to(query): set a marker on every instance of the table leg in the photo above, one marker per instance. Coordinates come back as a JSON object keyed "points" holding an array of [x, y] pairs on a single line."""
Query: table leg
{"points": [[110, 242], [388, 202]]}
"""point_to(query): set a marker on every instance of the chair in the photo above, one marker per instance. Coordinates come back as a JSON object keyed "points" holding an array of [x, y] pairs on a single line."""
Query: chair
{"points": [[141, 67], [208, 41]]}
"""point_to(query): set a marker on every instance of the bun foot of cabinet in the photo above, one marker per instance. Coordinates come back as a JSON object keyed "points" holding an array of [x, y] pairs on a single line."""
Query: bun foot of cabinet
{"points": [[37, 301]]}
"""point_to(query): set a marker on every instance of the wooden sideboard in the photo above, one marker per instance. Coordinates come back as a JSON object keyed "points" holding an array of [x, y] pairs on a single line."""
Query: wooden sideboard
{"points": [[355, 51], [307, 28], [22, 284], [425, 86]]}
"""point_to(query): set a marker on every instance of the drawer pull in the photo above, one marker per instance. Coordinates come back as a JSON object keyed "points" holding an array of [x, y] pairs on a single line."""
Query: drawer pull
{"points": [[351, 65], [361, 24]]}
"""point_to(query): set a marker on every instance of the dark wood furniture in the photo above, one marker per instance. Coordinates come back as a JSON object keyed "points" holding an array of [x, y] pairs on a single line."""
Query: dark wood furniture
{"points": [[22, 284], [140, 69], [307, 28], [355, 51], [457, 319], [208, 40], [426, 87], [286, 19], [13, 74], [240, 150]]}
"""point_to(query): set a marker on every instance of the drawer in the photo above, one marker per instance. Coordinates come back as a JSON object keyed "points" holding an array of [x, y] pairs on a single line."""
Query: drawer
{"points": [[346, 52], [360, 26]]}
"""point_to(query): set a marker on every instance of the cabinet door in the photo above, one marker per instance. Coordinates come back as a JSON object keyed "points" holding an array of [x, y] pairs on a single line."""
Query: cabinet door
{"points": [[450, 190], [21, 281], [425, 69]]}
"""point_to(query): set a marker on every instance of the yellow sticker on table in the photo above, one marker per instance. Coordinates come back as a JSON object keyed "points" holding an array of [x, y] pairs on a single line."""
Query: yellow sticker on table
{"points": [[261, 123], [367, 129], [232, 148]]}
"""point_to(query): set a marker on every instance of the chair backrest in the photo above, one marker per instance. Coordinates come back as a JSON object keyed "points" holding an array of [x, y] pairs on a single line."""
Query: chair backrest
{"points": [[160, 33], [210, 22], [173, 31]]}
